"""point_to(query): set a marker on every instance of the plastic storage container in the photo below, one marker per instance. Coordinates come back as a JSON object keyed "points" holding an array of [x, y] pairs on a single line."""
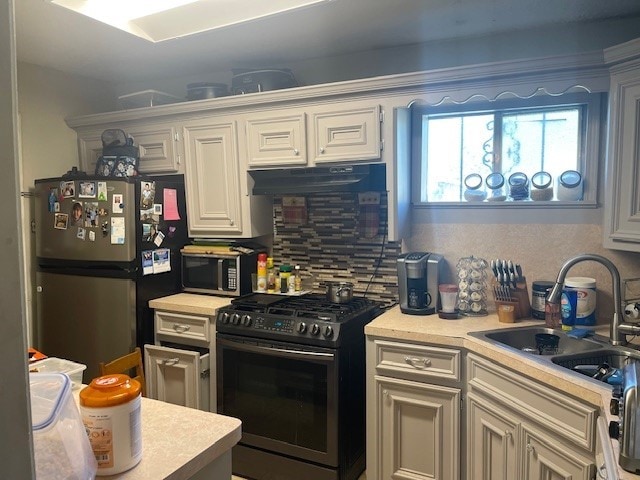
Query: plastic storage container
{"points": [[111, 411], [61, 447], [519, 186], [586, 302], [60, 365], [539, 290], [541, 187]]}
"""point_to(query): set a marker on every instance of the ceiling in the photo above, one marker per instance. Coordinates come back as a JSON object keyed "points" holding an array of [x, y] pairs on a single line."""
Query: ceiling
{"points": [[51, 36]]}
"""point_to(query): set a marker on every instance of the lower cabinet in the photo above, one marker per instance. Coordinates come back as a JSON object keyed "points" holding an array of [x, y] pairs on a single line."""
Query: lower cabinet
{"points": [[178, 376], [413, 411], [501, 447], [518, 428], [419, 430], [178, 368]]}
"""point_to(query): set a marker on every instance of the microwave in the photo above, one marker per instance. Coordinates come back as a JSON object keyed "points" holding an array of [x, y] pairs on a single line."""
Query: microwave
{"points": [[226, 274]]}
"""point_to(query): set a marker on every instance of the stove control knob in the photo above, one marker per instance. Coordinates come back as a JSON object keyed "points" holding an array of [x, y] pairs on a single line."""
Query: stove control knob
{"points": [[614, 406], [315, 329], [614, 430], [328, 331], [224, 317], [246, 320], [235, 318], [302, 327]]}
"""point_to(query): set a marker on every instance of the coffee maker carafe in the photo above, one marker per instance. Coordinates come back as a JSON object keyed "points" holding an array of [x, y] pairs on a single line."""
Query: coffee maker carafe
{"points": [[418, 278]]}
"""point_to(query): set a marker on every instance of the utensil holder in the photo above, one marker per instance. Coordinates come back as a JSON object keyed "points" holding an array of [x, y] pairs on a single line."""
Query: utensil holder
{"points": [[519, 299]]}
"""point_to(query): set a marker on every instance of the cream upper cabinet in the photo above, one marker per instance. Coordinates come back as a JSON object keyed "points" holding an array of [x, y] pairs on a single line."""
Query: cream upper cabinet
{"points": [[413, 411], [622, 203], [309, 136], [218, 202], [277, 140], [346, 135], [158, 143]]}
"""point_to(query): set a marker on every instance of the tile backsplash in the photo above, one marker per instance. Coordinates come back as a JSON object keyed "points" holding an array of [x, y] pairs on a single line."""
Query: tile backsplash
{"points": [[334, 238]]}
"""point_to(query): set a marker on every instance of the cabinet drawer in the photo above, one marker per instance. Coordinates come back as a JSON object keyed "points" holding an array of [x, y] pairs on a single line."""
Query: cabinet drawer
{"points": [[552, 410], [180, 327], [417, 362]]}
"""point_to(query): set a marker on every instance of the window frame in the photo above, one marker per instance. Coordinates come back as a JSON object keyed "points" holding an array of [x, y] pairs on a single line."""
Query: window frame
{"points": [[589, 155]]}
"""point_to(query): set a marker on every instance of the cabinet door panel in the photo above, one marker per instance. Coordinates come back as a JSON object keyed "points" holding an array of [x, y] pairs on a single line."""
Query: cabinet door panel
{"points": [[277, 141], [347, 135], [623, 202], [174, 376], [418, 430], [212, 180], [157, 148], [491, 437], [544, 460]]}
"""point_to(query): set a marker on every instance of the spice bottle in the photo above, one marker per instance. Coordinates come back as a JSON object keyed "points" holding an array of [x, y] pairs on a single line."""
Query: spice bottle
{"points": [[298, 281], [495, 187], [110, 410], [291, 281], [271, 276], [262, 272], [285, 273], [541, 190]]}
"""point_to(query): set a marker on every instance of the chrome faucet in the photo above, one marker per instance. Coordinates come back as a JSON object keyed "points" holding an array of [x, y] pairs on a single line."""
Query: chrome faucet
{"points": [[617, 329]]}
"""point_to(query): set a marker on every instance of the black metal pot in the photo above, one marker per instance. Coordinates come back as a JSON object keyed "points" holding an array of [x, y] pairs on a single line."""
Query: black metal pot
{"points": [[202, 90], [261, 80]]}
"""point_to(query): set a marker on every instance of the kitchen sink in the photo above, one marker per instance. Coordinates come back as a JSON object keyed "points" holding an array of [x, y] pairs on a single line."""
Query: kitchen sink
{"points": [[581, 356], [616, 357], [524, 339]]}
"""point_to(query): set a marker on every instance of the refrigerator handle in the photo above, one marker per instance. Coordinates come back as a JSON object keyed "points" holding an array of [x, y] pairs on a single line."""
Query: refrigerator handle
{"points": [[220, 265]]}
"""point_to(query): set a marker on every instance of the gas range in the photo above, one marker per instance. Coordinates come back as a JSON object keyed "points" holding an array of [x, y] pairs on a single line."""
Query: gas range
{"points": [[307, 319]]}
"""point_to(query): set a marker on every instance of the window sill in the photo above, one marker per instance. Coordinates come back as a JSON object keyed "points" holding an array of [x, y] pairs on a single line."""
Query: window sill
{"points": [[526, 204]]}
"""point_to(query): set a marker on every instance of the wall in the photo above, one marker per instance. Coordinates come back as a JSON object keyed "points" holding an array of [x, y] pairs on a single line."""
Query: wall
{"points": [[557, 40], [541, 249], [49, 147], [15, 420], [335, 239]]}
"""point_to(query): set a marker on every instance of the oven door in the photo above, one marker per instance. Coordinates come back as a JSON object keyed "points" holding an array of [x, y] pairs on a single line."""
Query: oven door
{"points": [[285, 395]]}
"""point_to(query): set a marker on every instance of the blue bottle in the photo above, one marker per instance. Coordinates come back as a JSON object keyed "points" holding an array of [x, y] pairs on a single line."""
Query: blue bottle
{"points": [[568, 305]]}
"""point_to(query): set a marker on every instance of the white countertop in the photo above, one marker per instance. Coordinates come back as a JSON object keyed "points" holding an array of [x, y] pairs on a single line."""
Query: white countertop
{"points": [[190, 303], [178, 441], [431, 329]]}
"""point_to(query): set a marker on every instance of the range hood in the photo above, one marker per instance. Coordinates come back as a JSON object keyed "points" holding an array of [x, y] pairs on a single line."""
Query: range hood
{"points": [[343, 178]]}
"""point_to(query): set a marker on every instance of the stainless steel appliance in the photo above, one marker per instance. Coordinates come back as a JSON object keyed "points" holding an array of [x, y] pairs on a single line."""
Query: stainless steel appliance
{"points": [[293, 370], [104, 248], [418, 278], [222, 273], [626, 404]]}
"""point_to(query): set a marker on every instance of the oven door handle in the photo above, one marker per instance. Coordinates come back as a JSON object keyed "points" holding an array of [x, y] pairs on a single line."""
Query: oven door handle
{"points": [[282, 352]]}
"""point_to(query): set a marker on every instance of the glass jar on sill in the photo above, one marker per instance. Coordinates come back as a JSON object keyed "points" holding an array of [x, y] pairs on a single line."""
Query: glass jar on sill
{"points": [[495, 187], [474, 191], [570, 186], [519, 186], [541, 188]]}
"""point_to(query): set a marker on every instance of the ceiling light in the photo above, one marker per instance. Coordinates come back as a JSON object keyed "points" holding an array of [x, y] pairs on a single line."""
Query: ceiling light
{"points": [[160, 20]]}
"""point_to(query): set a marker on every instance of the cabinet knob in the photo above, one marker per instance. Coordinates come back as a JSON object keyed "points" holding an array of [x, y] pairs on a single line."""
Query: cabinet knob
{"points": [[321, 149], [181, 328], [418, 362], [170, 361], [530, 448], [295, 151], [507, 434]]}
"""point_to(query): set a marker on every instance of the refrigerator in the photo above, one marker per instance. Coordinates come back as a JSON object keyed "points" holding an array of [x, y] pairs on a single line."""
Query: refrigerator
{"points": [[104, 248]]}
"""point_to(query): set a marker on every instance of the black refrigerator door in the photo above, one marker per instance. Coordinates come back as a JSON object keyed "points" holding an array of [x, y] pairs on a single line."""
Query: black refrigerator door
{"points": [[85, 319]]}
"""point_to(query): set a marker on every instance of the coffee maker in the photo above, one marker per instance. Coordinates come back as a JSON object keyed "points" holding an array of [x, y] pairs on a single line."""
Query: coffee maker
{"points": [[418, 278]]}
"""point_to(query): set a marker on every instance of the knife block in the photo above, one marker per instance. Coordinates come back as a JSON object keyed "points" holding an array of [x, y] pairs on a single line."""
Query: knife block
{"points": [[519, 300]]}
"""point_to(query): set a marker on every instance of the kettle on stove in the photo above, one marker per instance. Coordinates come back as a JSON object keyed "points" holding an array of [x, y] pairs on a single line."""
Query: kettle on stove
{"points": [[418, 278]]}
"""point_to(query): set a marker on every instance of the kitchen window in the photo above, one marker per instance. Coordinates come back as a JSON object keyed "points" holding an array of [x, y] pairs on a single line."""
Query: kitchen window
{"points": [[541, 150]]}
